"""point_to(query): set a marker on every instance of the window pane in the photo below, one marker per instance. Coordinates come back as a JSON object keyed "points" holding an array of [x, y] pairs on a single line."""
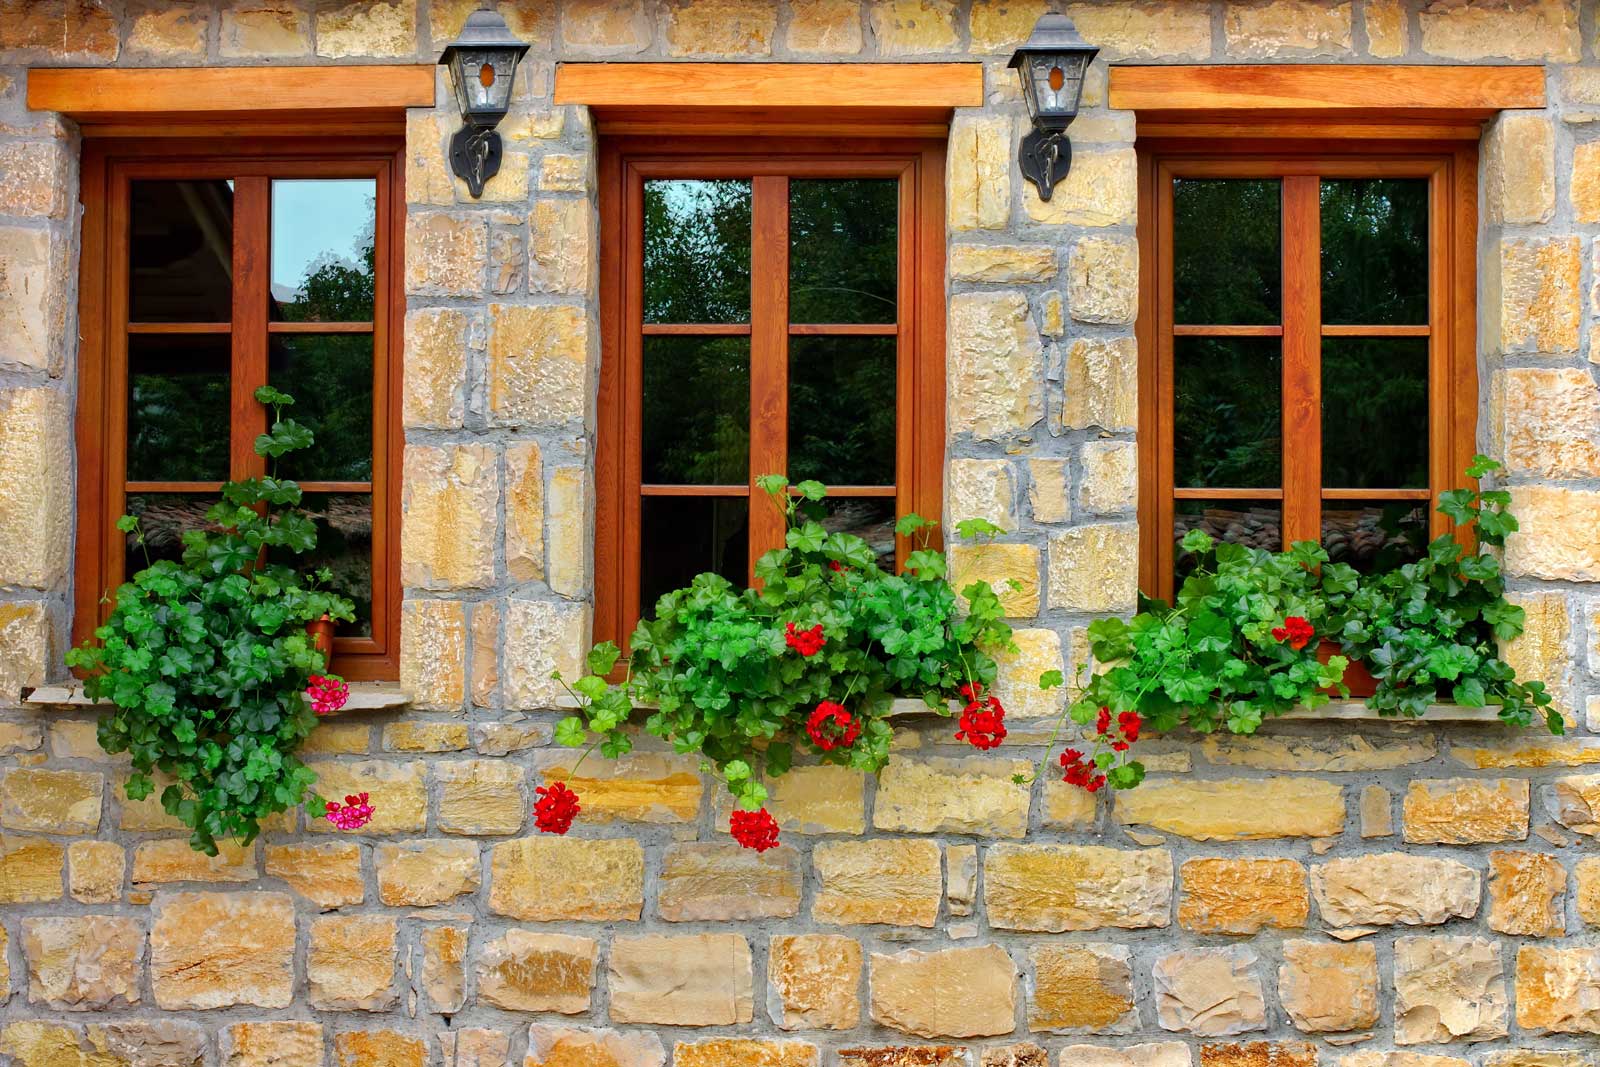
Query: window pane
{"points": [[1227, 412], [697, 251], [344, 546], [1253, 523], [178, 403], [180, 251], [843, 251], [322, 250], [1227, 251], [869, 518], [1375, 412], [1375, 535], [685, 536], [1375, 250], [163, 517], [696, 411], [842, 410], [330, 378]]}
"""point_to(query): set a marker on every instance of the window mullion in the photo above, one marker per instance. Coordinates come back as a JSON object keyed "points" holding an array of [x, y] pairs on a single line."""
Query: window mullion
{"points": [[1302, 359], [769, 354], [251, 281]]}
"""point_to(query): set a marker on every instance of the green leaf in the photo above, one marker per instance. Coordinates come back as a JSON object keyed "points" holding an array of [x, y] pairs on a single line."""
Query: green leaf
{"points": [[1050, 679], [266, 394], [910, 523], [1481, 465], [603, 657], [571, 732], [1457, 505], [736, 770], [974, 529], [812, 489]]}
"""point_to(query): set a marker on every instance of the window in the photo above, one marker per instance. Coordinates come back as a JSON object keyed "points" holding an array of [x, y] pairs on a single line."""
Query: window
{"points": [[208, 273], [776, 309], [1307, 361]]}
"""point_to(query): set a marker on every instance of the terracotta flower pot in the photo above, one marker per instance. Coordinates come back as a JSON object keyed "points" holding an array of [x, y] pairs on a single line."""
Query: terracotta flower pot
{"points": [[1357, 678], [321, 634]]}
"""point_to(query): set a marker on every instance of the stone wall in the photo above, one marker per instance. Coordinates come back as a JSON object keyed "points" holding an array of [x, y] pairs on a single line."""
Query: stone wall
{"points": [[1336, 892]]}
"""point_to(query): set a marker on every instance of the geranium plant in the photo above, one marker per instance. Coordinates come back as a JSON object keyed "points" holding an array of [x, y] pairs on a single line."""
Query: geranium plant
{"points": [[212, 678]]}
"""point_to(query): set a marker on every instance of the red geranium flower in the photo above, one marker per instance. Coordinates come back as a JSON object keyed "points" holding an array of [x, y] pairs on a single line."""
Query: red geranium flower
{"points": [[353, 814], [806, 642], [555, 809], [754, 829], [1295, 632], [1081, 772], [831, 727], [327, 693], [983, 721], [1102, 724], [1129, 722]]}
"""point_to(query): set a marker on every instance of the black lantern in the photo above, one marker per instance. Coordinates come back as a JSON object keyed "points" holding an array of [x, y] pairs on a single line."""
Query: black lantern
{"points": [[482, 62], [1051, 63]]}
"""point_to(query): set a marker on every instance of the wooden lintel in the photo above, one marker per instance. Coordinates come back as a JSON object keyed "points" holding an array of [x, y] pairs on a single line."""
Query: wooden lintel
{"points": [[1328, 90], [118, 94], [842, 86]]}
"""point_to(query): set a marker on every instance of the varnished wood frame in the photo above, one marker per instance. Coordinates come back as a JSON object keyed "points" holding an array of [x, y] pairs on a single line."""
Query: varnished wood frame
{"points": [[1451, 170], [624, 163], [102, 310]]}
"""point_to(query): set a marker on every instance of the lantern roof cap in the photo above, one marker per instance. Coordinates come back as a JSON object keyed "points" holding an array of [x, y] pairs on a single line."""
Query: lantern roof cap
{"points": [[1052, 33], [484, 28]]}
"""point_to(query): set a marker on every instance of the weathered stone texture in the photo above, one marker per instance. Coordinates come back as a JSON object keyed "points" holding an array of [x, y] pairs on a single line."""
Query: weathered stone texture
{"points": [[1501, 29], [1210, 992], [953, 992], [528, 971], [1053, 888], [1394, 887], [1527, 892], [824, 27], [1099, 190], [897, 882], [444, 542], [644, 787], [351, 961], [812, 981], [1240, 896], [1329, 988], [83, 963], [538, 364], [968, 796], [272, 1044], [215, 950], [58, 802], [1081, 988], [396, 791], [720, 880], [1520, 168], [694, 980], [35, 499], [1237, 809], [1288, 27], [1547, 424], [425, 873], [1093, 568], [1556, 989], [978, 172], [1448, 989], [996, 365], [480, 797], [548, 879], [1101, 386], [328, 875], [1012, 572], [1534, 296], [1464, 811]]}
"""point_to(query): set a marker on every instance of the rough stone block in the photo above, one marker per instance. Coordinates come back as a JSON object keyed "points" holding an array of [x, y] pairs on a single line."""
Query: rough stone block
{"points": [[272, 1044], [1548, 421], [446, 255], [1110, 481], [1053, 888], [1556, 989], [996, 365], [1103, 280], [1101, 386], [975, 795], [1448, 989], [1081, 989], [1279, 28], [694, 980], [526, 971], [914, 27], [953, 992], [894, 881], [567, 879], [744, 1052], [30, 869], [370, 29], [1240, 896], [444, 967], [57, 802], [1394, 887], [1101, 189], [1017, 684], [980, 489], [1502, 29], [350, 964], [538, 364], [94, 871], [396, 791], [644, 787], [1329, 988], [35, 503], [812, 981], [996, 264], [379, 1048], [83, 962], [713, 880], [720, 28], [445, 542], [561, 246], [1238, 809], [1012, 571], [1210, 992], [978, 172], [216, 950], [1094, 568], [1533, 295], [420, 874], [1465, 811], [1527, 894], [559, 1046], [541, 636], [174, 861], [1520, 168], [327, 875], [824, 27], [433, 656], [481, 797]]}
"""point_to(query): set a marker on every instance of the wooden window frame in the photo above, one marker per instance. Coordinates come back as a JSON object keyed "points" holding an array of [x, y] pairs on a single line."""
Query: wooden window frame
{"points": [[625, 162], [108, 164], [1450, 167]]}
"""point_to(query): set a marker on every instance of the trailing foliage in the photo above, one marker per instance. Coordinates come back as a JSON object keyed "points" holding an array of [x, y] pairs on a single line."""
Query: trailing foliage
{"points": [[207, 660], [744, 676]]}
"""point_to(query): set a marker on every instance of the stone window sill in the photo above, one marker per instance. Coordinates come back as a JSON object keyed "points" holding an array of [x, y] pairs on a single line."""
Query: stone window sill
{"points": [[364, 696]]}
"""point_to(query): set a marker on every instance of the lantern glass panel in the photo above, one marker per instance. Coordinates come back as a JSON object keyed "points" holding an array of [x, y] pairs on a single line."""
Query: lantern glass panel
{"points": [[1052, 83], [482, 81]]}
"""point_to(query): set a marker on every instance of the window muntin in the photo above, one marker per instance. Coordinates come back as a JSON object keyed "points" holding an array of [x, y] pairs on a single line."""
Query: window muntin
{"points": [[221, 274], [771, 317], [1301, 331]]}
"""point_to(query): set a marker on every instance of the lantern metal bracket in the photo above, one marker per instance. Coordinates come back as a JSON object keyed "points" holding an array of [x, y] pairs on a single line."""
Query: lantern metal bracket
{"points": [[475, 156], [1044, 157]]}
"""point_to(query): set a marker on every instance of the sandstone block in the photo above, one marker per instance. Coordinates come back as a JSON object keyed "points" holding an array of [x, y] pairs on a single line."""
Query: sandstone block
{"points": [[1093, 568], [1101, 189], [1103, 280], [272, 1044], [327, 875], [1448, 989], [975, 795], [1349, 753], [34, 179], [1049, 490], [30, 869], [446, 255], [1464, 811], [1535, 29], [33, 308], [954, 992], [1210, 992], [1534, 295], [444, 967], [567, 879], [265, 30], [1017, 685], [1240, 896], [1536, 1058], [721, 28], [1585, 183], [26, 644], [980, 489], [1258, 1054], [1575, 803], [420, 874], [1520, 168], [1012, 571], [713, 880], [996, 365], [95, 871], [561, 246], [694, 980], [567, 530], [1551, 543], [216, 950], [1281, 28], [533, 23], [1110, 481], [1586, 875], [541, 636], [1101, 386], [1393, 887], [812, 981], [526, 971], [646, 787], [999, 26], [350, 964], [1329, 988], [433, 666], [504, 738], [425, 735], [524, 512], [475, 1047], [1547, 421], [1377, 812], [1555, 990], [1053, 888], [397, 793], [57, 802], [913, 27], [994, 264], [1146, 29], [1156, 1054], [1081, 989], [1238, 809], [1530, 752], [740, 1052], [1068, 807], [891, 881], [374, 29], [560, 1046], [444, 542], [481, 797], [379, 1048], [825, 27], [978, 173], [20, 737], [83, 962], [174, 861], [1527, 894], [154, 1043]]}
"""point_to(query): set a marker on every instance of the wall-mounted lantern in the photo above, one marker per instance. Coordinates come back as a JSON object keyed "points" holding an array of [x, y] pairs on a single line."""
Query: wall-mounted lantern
{"points": [[482, 62], [1051, 63]]}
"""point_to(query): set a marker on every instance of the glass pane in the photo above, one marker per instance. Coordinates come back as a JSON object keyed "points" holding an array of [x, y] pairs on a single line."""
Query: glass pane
{"points": [[330, 378], [869, 518], [163, 517], [1227, 412], [1375, 250], [1227, 251], [843, 251], [178, 403], [344, 546], [685, 536], [180, 251], [1375, 535], [842, 409], [1254, 523], [696, 411], [697, 251], [1375, 412], [322, 250]]}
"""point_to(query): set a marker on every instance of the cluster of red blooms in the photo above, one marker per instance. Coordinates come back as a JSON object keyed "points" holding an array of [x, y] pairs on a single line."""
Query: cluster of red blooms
{"points": [[831, 727], [1080, 769], [327, 694], [754, 829], [555, 809], [835, 566], [1081, 772], [1294, 632], [806, 642], [353, 814], [983, 720], [1128, 723]]}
